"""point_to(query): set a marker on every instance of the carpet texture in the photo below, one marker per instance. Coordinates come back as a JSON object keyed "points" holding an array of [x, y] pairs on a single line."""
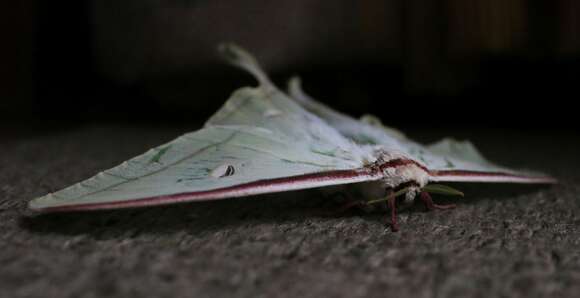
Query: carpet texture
{"points": [[510, 241]]}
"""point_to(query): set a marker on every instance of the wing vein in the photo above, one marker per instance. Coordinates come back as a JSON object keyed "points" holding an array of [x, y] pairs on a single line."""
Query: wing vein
{"points": [[165, 167]]}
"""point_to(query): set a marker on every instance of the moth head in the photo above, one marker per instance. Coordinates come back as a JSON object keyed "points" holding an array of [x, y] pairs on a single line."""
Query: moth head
{"points": [[411, 194]]}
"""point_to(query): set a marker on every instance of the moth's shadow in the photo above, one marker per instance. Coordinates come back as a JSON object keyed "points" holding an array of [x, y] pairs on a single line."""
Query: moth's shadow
{"points": [[202, 217], [193, 218]]}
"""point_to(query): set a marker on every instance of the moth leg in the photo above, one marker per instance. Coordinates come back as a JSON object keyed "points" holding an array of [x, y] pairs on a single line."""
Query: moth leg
{"points": [[428, 202], [392, 203]]}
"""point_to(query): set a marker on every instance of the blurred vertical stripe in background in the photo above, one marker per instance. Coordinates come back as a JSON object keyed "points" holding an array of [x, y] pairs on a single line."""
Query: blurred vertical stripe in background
{"points": [[569, 27], [101, 53], [486, 26]]}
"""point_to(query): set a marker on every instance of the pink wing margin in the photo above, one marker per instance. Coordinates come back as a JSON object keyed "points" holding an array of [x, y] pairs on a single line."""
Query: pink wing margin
{"points": [[309, 181], [247, 189]]}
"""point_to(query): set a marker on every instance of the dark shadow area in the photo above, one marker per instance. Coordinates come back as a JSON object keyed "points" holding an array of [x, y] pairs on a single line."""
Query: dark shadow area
{"points": [[194, 218], [445, 71]]}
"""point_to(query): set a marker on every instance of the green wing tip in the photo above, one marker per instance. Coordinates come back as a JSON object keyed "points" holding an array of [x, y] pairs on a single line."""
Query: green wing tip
{"points": [[296, 79], [238, 56], [295, 82], [442, 190], [36, 204], [232, 52], [294, 88]]}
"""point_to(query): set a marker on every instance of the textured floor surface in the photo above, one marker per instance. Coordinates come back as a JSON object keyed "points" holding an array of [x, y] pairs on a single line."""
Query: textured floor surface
{"points": [[501, 240]]}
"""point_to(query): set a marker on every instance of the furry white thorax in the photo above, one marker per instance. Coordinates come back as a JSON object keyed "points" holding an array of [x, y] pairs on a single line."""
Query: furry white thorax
{"points": [[395, 176]]}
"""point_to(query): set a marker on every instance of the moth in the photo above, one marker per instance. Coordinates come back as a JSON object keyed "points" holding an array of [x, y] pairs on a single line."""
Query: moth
{"points": [[264, 140]]}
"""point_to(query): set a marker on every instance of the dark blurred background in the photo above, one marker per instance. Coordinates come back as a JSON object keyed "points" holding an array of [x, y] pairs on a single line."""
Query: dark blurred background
{"points": [[480, 63]]}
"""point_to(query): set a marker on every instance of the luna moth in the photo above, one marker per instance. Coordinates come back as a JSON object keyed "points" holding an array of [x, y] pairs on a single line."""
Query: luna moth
{"points": [[265, 140]]}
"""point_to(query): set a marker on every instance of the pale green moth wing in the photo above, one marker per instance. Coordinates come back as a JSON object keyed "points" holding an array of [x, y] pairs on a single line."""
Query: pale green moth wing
{"points": [[444, 161], [368, 130], [260, 141]]}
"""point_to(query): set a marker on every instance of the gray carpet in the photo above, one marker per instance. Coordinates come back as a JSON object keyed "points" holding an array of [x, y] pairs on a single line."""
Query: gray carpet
{"points": [[509, 241]]}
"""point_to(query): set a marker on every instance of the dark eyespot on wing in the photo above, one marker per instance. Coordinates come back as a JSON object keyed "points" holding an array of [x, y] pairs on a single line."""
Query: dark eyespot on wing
{"points": [[230, 170], [224, 170]]}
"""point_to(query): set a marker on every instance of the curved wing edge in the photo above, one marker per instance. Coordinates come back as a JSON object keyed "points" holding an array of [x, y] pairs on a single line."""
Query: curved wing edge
{"points": [[253, 188]]}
